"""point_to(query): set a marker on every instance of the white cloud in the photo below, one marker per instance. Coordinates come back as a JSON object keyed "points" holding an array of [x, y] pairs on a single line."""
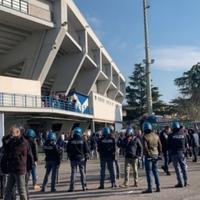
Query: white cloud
{"points": [[176, 57]]}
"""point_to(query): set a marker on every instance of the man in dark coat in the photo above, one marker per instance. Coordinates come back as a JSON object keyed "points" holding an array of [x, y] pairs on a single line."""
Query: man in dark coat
{"points": [[53, 159], [164, 141], [107, 150], [133, 150], [78, 152], [17, 157]]}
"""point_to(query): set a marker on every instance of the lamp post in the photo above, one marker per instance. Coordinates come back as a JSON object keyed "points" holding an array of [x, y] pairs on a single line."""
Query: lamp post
{"points": [[147, 59]]}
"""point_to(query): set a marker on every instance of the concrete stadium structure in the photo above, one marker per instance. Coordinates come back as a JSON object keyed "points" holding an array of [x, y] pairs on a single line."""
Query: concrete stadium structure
{"points": [[47, 46]]}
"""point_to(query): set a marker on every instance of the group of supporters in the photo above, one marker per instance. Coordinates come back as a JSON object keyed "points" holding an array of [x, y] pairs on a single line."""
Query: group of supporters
{"points": [[19, 156]]}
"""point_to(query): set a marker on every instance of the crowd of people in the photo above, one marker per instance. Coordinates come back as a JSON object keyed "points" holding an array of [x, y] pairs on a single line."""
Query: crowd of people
{"points": [[19, 156]]}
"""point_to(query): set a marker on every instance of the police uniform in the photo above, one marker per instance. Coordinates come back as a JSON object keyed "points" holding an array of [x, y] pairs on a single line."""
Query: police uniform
{"points": [[177, 144], [107, 149], [78, 152], [53, 159]]}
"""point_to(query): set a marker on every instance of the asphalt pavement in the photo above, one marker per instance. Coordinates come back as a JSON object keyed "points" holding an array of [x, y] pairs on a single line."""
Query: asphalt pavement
{"points": [[168, 192]]}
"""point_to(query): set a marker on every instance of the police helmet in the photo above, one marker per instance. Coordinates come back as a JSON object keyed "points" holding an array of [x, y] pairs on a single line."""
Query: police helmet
{"points": [[106, 131], [77, 131], [30, 133], [175, 125], [130, 131], [52, 136], [146, 126]]}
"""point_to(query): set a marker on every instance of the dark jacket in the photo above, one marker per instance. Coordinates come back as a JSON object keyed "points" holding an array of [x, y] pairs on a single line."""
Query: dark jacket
{"points": [[177, 143], [107, 148], [17, 156], [77, 149], [34, 149], [164, 140], [133, 148], [52, 152]]}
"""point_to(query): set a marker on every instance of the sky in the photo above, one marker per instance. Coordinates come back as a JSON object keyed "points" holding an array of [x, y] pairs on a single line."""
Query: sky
{"points": [[174, 34]]}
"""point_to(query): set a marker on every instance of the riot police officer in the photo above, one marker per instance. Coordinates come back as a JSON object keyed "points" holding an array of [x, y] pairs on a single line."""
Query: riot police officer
{"points": [[133, 150], [107, 149], [53, 159], [177, 145], [78, 153], [31, 135]]}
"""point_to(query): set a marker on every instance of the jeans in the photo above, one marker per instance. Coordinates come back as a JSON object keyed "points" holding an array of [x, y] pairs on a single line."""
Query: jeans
{"points": [[50, 166], [151, 167], [166, 161], [20, 182], [179, 162], [117, 171], [34, 175], [134, 164], [111, 169], [195, 151], [74, 166]]}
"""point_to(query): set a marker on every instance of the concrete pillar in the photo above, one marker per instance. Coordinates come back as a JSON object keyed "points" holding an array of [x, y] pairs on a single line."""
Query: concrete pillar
{"points": [[84, 126], [2, 127], [93, 126], [66, 126]]}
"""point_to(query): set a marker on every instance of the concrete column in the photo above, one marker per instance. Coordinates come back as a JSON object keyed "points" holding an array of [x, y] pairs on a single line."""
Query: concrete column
{"points": [[2, 127], [51, 43], [70, 66], [66, 126], [86, 79], [84, 126]]}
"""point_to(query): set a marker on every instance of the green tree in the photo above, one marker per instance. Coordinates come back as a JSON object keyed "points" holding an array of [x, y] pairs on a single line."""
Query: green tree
{"points": [[188, 104], [136, 95]]}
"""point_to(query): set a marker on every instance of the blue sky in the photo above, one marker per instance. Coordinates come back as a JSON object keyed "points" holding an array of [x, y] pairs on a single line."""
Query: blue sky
{"points": [[174, 31]]}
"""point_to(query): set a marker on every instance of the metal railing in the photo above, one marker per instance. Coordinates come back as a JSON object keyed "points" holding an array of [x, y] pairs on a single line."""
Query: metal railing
{"points": [[18, 5], [29, 101], [24, 7]]}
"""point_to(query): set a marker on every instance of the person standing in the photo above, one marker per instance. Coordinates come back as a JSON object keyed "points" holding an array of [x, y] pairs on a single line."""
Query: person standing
{"points": [[78, 152], [107, 150], [53, 159], [16, 153], [194, 143], [164, 141], [178, 145], [133, 150], [31, 137], [152, 152]]}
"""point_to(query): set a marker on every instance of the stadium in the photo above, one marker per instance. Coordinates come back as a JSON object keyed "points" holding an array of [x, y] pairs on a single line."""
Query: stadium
{"points": [[54, 71]]}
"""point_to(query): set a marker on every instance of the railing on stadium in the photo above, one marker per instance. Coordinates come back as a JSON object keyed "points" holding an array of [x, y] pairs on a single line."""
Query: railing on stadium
{"points": [[18, 5], [29, 101]]}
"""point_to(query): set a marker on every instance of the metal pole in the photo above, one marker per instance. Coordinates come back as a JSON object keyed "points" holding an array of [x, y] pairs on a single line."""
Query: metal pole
{"points": [[147, 60]]}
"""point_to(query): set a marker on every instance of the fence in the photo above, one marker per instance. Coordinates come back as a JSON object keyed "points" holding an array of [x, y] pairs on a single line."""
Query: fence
{"points": [[18, 5], [29, 101]]}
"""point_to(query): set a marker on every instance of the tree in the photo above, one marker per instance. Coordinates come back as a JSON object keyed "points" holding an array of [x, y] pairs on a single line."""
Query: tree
{"points": [[188, 104], [136, 95]]}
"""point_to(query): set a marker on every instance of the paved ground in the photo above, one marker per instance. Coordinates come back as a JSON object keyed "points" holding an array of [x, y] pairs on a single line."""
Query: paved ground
{"points": [[168, 191]]}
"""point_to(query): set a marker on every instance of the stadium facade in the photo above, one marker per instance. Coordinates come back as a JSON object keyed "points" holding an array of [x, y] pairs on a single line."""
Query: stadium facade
{"points": [[54, 71]]}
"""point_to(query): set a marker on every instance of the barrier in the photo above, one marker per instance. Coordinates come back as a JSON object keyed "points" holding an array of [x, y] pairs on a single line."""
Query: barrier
{"points": [[28, 101]]}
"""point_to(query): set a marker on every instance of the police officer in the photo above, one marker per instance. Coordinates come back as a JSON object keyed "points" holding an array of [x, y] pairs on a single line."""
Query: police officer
{"points": [[53, 159], [31, 135], [107, 149], [152, 152], [133, 150], [78, 152], [177, 144]]}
